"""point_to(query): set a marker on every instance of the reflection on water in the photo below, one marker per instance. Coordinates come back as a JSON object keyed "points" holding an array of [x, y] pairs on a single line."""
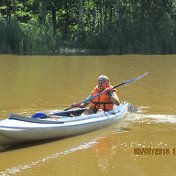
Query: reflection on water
{"points": [[104, 153]]}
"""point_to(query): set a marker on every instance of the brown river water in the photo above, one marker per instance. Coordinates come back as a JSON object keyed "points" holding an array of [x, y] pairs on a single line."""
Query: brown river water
{"points": [[142, 144]]}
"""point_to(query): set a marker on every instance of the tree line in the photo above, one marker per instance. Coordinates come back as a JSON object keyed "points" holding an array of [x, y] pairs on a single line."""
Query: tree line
{"points": [[88, 26]]}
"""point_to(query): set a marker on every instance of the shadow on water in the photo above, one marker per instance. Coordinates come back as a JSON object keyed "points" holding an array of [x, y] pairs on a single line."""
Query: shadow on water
{"points": [[124, 129], [27, 144]]}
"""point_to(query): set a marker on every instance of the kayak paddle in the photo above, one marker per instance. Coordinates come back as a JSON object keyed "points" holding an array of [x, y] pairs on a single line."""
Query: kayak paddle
{"points": [[121, 84]]}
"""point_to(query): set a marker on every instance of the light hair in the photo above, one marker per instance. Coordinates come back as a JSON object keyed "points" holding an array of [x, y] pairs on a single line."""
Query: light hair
{"points": [[103, 78]]}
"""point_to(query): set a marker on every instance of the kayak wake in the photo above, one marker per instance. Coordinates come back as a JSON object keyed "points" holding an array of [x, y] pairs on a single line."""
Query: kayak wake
{"points": [[151, 118]]}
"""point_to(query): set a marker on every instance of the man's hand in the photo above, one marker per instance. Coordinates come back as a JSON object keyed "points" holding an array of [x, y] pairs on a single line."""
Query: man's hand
{"points": [[74, 105], [108, 91]]}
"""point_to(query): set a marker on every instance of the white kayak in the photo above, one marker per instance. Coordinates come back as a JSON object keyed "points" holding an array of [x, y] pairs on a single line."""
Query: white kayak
{"points": [[20, 129]]}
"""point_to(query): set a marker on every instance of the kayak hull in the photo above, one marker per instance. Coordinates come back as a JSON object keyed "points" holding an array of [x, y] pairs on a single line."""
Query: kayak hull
{"points": [[18, 129]]}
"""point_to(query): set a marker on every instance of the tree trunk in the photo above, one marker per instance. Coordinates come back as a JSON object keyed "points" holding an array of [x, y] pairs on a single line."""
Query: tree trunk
{"points": [[54, 18], [80, 19], [117, 12], [8, 10], [101, 18], [43, 11]]}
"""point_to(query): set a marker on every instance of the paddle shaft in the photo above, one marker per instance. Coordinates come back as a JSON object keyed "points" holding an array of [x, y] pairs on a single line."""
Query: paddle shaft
{"points": [[121, 84]]}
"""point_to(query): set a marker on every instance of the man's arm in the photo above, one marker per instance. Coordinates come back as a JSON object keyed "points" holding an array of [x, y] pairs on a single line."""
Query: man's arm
{"points": [[115, 98]]}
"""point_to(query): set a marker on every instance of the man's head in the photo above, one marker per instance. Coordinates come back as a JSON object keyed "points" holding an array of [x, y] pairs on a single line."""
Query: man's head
{"points": [[103, 82]]}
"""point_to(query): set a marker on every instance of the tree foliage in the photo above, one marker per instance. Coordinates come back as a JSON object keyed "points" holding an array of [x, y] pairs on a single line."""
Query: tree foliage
{"points": [[96, 26]]}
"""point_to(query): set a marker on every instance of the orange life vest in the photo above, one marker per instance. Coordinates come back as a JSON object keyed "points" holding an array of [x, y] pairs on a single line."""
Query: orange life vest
{"points": [[102, 102]]}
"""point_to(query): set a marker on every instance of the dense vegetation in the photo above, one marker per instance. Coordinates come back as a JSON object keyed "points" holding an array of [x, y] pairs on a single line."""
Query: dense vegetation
{"points": [[87, 26]]}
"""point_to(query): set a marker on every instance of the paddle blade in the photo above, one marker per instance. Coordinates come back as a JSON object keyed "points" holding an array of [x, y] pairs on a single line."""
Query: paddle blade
{"points": [[137, 78]]}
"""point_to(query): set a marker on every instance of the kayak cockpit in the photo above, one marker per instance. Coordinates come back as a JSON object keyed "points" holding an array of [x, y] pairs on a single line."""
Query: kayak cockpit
{"points": [[69, 113]]}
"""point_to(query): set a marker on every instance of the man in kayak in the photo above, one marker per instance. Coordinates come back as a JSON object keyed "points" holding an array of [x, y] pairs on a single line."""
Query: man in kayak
{"points": [[104, 102]]}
